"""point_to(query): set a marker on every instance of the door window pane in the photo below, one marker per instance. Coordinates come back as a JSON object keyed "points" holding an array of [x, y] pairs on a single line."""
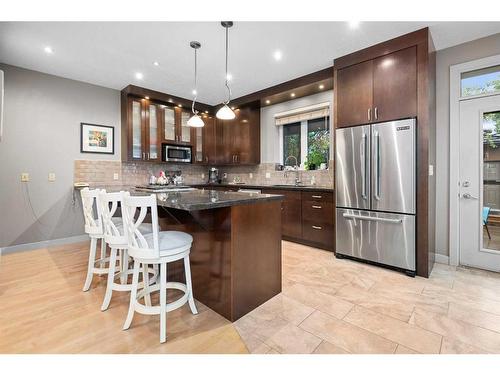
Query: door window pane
{"points": [[199, 144], [318, 142], [482, 81], [291, 144], [169, 119], [136, 131], [491, 181]]}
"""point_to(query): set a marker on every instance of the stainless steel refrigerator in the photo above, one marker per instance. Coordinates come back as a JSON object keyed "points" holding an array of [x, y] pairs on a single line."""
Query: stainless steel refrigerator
{"points": [[375, 173]]}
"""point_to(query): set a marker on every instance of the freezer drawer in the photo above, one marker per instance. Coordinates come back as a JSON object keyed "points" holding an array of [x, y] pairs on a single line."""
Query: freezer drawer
{"points": [[379, 237], [352, 167]]}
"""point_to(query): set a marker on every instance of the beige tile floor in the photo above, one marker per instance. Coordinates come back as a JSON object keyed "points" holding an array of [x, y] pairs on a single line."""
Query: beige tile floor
{"points": [[341, 306], [327, 306]]}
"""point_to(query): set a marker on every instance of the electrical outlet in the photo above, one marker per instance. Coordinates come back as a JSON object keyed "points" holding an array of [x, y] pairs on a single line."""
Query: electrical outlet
{"points": [[268, 175], [52, 177], [203, 175], [431, 170], [250, 175], [115, 176], [25, 177]]}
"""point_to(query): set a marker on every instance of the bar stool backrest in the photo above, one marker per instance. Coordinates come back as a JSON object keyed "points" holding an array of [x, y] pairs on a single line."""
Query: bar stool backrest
{"points": [[138, 247], [91, 211], [113, 234]]}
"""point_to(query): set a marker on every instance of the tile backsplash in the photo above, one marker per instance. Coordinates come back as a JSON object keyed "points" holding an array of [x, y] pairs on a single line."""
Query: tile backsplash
{"points": [[103, 172]]}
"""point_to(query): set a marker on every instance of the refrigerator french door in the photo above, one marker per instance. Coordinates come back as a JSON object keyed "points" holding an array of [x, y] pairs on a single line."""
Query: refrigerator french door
{"points": [[375, 193]]}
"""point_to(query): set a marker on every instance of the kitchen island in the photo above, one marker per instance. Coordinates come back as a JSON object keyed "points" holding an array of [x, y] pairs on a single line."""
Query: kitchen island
{"points": [[236, 252]]}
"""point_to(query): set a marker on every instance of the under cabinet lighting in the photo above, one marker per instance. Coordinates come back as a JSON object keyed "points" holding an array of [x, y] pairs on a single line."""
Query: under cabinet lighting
{"points": [[292, 95], [146, 97], [268, 101], [321, 87], [179, 105]]}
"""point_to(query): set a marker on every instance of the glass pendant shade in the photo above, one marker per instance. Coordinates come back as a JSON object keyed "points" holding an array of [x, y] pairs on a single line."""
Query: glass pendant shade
{"points": [[225, 113], [196, 122]]}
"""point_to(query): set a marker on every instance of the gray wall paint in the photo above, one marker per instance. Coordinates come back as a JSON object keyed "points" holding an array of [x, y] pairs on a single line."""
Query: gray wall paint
{"points": [[476, 49], [269, 141], [41, 135]]}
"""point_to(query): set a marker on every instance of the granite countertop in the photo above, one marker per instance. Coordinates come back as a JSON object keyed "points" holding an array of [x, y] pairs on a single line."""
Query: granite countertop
{"points": [[197, 199], [277, 187]]}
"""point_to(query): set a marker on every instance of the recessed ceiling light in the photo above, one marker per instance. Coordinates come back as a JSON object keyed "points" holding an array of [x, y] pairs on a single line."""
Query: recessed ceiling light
{"points": [[268, 101], [321, 87], [139, 75], [206, 111], [229, 76], [156, 63], [353, 24], [278, 55], [292, 95], [48, 50], [194, 92], [179, 105]]}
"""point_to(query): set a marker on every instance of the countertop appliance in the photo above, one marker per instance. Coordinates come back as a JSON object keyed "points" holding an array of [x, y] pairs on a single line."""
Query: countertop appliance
{"points": [[176, 153], [376, 193], [213, 176]]}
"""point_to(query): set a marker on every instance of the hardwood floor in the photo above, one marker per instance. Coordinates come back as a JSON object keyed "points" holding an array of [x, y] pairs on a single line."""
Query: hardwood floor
{"points": [[327, 306]]}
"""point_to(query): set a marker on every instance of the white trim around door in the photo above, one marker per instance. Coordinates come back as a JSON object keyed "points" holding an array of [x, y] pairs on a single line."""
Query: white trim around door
{"points": [[455, 98]]}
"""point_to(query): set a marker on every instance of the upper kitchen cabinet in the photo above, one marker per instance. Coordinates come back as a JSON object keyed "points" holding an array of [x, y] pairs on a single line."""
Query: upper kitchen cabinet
{"points": [[395, 85], [355, 94], [238, 140], [379, 89], [204, 142], [143, 138]]}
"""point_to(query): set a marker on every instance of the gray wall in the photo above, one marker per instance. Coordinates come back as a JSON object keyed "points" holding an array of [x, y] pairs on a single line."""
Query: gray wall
{"points": [[269, 133], [41, 135], [476, 49]]}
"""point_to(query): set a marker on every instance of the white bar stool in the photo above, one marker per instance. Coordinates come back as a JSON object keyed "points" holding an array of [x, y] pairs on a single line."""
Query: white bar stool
{"points": [[155, 248], [93, 227], [115, 238]]}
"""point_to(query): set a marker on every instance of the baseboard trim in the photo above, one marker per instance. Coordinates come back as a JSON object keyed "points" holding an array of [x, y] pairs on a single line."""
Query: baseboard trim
{"points": [[43, 244], [443, 259]]}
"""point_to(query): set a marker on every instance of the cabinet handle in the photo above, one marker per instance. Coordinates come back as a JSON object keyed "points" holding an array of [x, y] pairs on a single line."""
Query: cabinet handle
{"points": [[316, 207], [317, 196], [148, 155], [206, 159], [143, 156], [376, 113], [317, 228], [369, 114]]}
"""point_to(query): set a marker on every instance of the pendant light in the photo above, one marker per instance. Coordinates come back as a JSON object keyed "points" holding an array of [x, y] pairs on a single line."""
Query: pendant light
{"points": [[226, 113], [195, 121]]}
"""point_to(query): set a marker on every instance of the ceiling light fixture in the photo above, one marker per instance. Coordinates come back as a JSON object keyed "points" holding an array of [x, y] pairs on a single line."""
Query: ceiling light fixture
{"points": [[195, 121], [139, 75], [48, 50], [353, 24], [278, 55], [225, 113]]}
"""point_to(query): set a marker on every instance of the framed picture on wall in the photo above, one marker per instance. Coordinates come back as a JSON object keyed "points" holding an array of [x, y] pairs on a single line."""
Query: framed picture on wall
{"points": [[97, 139]]}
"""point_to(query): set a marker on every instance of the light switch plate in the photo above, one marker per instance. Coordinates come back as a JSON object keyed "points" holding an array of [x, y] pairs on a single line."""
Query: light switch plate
{"points": [[203, 175], [268, 175], [52, 177], [431, 170], [250, 175], [25, 177], [115, 176]]}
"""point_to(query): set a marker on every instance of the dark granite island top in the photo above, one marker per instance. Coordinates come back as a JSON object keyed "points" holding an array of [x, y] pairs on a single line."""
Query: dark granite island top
{"points": [[199, 199]]}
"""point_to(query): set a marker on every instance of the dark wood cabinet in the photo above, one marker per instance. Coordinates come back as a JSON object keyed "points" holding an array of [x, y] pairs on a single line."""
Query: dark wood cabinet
{"points": [[291, 213], [355, 94], [395, 85], [380, 89], [238, 140]]}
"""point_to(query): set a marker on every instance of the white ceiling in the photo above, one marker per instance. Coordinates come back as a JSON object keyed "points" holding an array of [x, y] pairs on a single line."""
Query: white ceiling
{"points": [[110, 53]]}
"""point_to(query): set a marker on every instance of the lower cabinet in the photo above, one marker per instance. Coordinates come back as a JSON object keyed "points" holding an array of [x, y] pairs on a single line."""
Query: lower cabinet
{"points": [[307, 217]]}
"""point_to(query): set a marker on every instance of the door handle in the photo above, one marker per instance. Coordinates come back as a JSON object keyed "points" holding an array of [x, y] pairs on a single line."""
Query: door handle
{"points": [[363, 165], [468, 196], [377, 165], [370, 218]]}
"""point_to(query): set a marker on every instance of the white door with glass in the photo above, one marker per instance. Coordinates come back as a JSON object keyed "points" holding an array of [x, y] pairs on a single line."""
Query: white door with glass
{"points": [[479, 191]]}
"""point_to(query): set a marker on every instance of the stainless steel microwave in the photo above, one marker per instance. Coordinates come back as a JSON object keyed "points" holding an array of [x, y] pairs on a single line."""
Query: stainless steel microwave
{"points": [[176, 154]]}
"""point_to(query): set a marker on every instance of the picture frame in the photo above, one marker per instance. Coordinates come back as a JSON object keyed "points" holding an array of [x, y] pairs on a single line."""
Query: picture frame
{"points": [[97, 139]]}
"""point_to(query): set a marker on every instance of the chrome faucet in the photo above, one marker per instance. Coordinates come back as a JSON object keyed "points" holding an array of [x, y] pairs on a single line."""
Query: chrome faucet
{"points": [[295, 168]]}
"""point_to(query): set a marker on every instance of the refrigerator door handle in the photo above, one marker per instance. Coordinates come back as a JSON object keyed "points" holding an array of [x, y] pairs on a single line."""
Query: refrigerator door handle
{"points": [[363, 157], [377, 165], [370, 218]]}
